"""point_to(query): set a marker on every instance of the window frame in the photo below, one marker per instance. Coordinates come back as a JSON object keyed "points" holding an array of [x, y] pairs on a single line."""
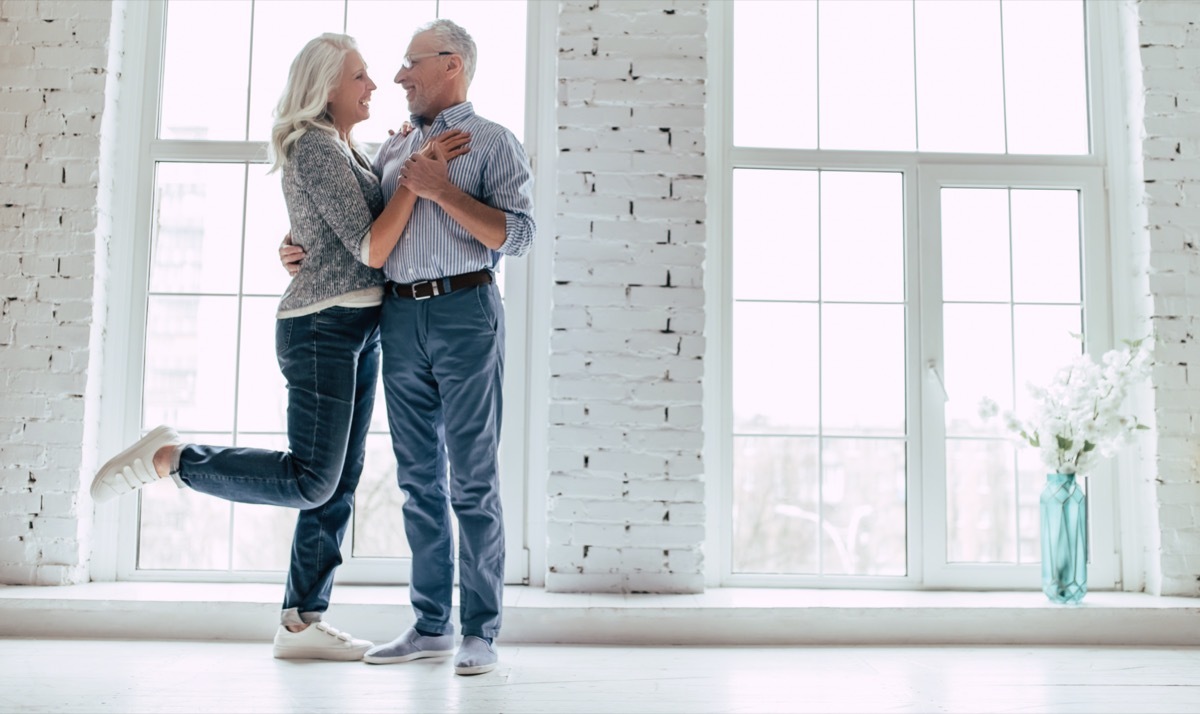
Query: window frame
{"points": [[1097, 327], [923, 174], [140, 150]]}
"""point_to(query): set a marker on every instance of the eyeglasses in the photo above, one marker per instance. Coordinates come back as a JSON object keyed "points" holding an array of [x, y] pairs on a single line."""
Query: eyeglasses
{"points": [[410, 60]]}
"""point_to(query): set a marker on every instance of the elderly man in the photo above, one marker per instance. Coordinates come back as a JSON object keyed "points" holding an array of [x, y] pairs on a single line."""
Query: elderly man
{"points": [[443, 347], [442, 329]]}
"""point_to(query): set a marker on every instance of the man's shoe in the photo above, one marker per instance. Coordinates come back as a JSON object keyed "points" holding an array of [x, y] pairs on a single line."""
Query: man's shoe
{"points": [[319, 641], [475, 656], [409, 646]]}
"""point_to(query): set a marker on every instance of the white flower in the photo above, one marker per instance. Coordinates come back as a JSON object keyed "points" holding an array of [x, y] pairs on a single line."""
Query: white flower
{"points": [[1077, 418], [988, 408]]}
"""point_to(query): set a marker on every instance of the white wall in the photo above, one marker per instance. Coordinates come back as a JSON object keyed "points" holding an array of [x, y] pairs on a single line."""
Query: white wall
{"points": [[1169, 37], [54, 66], [625, 494], [625, 489]]}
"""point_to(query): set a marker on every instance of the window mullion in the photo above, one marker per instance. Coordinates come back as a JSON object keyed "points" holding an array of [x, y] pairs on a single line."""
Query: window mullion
{"points": [[208, 152], [129, 266]]}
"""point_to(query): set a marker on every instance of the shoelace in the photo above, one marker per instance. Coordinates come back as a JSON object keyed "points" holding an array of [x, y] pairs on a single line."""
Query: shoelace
{"points": [[333, 631]]}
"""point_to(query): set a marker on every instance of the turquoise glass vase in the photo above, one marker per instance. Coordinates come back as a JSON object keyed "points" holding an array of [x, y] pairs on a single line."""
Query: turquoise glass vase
{"points": [[1064, 539]]}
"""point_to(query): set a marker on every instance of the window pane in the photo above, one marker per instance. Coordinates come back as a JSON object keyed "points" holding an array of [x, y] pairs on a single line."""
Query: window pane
{"points": [[863, 491], [379, 422], [1045, 245], [205, 99], [262, 390], [960, 93], [775, 372], [1043, 342], [1045, 78], [497, 26], [866, 97], [862, 369], [1031, 479], [383, 30], [197, 228], [775, 234], [378, 521], [980, 502], [266, 225], [201, 256], [977, 343], [182, 529], [780, 35], [281, 30], [262, 535], [862, 214], [975, 246], [189, 384], [775, 509]]}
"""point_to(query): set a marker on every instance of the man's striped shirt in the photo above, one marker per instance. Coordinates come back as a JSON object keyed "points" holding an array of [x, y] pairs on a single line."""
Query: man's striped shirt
{"points": [[495, 172]]}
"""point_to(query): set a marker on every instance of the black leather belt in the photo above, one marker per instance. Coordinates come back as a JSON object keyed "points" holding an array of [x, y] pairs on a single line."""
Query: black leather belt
{"points": [[441, 286]]}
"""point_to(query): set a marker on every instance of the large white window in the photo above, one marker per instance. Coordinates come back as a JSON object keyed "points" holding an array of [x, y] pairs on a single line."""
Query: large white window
{"points": [[912, 219], [205, 277]]}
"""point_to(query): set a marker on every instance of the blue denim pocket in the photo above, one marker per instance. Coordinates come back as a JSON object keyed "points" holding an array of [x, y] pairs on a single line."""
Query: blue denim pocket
{"points": [[283, 334]]}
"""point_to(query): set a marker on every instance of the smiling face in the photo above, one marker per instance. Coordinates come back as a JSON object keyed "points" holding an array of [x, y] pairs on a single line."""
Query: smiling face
{"points": [[426, 81], [350, 100]]}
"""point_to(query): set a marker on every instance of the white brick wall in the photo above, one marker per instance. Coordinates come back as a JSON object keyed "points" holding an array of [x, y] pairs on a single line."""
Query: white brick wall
{"points": [[53, 60], [625, 511], [1169, 37]]}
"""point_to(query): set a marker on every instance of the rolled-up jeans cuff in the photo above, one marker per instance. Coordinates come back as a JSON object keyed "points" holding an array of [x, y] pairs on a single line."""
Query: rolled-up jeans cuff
{"points": [[293, 616]]}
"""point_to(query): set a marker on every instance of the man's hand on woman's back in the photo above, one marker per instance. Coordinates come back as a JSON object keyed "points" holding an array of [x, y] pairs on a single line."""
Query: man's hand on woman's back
{"points": [[290, 255]]}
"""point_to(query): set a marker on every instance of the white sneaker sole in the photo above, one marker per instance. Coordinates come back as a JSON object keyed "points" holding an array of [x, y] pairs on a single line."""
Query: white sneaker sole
{"points": [[348, 655], [422, 654]]}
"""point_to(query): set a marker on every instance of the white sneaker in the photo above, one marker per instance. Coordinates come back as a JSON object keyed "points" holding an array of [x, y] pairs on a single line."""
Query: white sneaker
{"points": [[133, 468], [319, 641]]}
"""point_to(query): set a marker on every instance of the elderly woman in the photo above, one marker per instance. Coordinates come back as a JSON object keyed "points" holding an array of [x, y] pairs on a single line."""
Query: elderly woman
{"points": [[326, 340]]}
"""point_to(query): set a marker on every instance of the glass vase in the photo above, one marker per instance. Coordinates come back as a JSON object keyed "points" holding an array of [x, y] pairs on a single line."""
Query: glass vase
{"points": [[1064, 539]]}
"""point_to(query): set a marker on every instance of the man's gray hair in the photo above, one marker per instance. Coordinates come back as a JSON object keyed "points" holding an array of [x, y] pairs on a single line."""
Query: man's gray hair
{"points": [[455, 39]]}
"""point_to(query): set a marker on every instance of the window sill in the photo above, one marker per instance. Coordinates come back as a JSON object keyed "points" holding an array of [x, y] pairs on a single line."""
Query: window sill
{"points": [[720, 616]]}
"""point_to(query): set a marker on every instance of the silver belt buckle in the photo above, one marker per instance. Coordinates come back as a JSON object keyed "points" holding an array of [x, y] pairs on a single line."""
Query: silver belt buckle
{"points": [[433, 291]]}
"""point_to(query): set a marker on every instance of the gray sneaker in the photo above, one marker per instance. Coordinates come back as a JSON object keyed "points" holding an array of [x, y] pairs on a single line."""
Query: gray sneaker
{"points": [[475, 656], [409, 646]]}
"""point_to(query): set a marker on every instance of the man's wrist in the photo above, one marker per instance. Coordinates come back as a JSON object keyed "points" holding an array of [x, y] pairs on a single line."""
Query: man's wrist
{"points": [[444, 193]]}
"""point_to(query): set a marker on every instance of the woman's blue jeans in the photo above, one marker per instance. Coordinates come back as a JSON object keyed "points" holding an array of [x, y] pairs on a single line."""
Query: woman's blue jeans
{"points": [[331, 362]]}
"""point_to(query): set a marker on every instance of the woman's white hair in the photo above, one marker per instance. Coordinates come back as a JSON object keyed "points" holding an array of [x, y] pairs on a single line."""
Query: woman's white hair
{"points": [[314, 74], [454, 39]]}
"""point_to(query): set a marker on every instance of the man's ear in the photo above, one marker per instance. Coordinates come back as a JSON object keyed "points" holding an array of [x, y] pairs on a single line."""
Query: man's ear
{"points": [[454, 66]]}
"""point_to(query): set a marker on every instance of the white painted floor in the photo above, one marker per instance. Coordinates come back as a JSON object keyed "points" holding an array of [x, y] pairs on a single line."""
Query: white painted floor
{"points": [[155, 676]]}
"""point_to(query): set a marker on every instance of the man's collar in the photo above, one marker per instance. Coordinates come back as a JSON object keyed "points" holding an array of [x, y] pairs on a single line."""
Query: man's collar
{"points": [[450, 116]]}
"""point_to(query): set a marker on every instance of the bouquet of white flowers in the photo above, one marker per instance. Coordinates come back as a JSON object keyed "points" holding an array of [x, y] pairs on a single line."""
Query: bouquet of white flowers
{"points": [[1079, 416]]}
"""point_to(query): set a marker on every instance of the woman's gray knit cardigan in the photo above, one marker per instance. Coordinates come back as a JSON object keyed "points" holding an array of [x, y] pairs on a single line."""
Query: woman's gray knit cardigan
{"points": [[332, 198]]}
